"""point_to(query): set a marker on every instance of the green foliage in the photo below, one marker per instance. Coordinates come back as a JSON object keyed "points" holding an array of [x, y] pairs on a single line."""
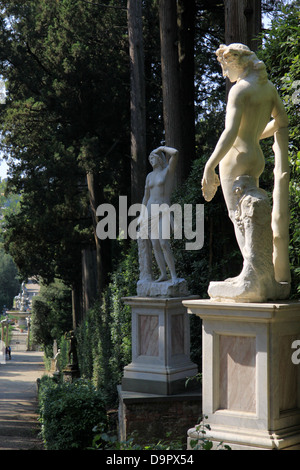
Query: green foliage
{"points": [[63, 117], [104, 336], [51, 316], [104, 440], [9, 203], [203, 442], [68, 413], [9, 282]]}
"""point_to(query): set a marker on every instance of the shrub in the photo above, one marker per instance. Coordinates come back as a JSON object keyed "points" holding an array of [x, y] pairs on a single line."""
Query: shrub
{"points": [[51, 315], [104, 336], [68, 413]]}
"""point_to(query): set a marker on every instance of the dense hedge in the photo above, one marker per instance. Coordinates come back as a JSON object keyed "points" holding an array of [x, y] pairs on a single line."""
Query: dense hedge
{"points": [[68, 413]]}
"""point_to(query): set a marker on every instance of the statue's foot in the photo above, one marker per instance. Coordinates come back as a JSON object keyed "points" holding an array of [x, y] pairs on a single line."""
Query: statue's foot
{"points": [[162, 277], [231, 279], [244, 289]]}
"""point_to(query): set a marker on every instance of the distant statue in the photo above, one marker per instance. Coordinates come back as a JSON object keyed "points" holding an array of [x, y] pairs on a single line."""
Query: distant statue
{"points": [[252, 102], [155, 222], [158, 190], [72, 353], [55, 360], [21, 301]]}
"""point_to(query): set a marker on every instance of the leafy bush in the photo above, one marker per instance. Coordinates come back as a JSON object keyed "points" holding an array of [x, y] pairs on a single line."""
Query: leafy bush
{"points": [[104, 440], [202, 442], [68, 413], [51, 315], [104, 336]]}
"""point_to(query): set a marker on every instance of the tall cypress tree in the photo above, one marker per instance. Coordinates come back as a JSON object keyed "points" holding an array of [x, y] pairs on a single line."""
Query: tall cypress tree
{"points": [[65, 117]]}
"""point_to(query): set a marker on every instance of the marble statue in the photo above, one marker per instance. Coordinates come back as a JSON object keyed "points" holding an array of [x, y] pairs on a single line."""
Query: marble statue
{"points": [[21, 301], [158, 190], [254, 112]]}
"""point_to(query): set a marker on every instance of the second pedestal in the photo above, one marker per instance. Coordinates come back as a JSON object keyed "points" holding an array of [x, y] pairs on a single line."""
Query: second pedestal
{"points": [[160, 346]]}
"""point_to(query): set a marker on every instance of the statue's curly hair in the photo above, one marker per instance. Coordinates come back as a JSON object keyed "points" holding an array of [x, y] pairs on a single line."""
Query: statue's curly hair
{"points": [[240, 56]]}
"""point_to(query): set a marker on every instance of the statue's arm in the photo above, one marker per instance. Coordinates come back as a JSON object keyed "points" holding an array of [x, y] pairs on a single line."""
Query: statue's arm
{"points": [[143, 214], [171, 155], [233, 120], [146, 191], [279, 121], [234, 114]]}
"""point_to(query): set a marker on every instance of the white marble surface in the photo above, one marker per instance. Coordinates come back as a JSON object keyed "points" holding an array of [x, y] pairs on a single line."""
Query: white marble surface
{"points": [[237, 365], [160, 345], [251, 388]]}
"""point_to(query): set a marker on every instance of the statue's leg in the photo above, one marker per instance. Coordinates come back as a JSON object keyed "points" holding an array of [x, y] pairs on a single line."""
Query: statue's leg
{"points": [[231, 204], [168, 255], [145, 259], [160, 259]]}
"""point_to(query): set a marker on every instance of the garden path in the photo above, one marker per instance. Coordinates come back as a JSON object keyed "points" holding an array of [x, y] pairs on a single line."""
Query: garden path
{"points": [[18, 399]]}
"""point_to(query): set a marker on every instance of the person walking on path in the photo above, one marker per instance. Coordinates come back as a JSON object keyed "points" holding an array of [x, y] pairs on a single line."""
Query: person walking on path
{"points": [[8, 351]]}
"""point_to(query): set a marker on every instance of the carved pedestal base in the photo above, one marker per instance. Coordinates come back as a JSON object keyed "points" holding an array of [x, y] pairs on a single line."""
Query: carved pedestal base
{"points": [[251, 384], [160, 347], [166, 289]]}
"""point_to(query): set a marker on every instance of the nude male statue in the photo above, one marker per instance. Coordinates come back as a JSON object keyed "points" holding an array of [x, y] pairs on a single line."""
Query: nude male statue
{"points": [[252, 102]]}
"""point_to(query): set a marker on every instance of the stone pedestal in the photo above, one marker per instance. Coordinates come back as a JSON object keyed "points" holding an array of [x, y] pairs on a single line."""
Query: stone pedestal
{"points": [[160, 346], [152, 417], [251, 387], [70, 373]]}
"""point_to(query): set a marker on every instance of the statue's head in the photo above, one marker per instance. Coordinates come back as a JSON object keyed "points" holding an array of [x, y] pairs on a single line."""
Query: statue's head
{"points": [[237, 59], [157, 159]]}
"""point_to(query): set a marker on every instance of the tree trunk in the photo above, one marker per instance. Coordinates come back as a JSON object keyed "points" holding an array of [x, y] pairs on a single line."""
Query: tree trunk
{"points": [[77, 313], [137, 105], [242, 23], [170, 79], [186, 34], [103, 258], [89, 277]]}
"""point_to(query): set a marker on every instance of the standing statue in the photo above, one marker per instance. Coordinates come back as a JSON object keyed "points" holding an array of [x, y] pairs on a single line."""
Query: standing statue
{"points": [[262, 234], [72, 353], [155, 223]]}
